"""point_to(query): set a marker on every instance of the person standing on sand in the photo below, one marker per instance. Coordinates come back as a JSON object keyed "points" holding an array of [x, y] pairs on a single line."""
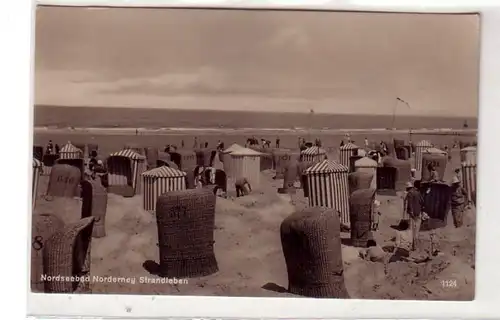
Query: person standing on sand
{"points": [[243, 187], [366, 143], [57, 148], [206, 145], [405, 217], [375, 215], [458, 200], [403, 242], [195, 144], [414, 204], [92, 163], [136, 132], [182, 143], [50, 147], [277, 142]]}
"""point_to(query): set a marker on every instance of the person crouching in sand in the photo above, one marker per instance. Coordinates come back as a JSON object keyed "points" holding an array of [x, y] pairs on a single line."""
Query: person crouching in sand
{"points": [[403, 244], [243, 187]]}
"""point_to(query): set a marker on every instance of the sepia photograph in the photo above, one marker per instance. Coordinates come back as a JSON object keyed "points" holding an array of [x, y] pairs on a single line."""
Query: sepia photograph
{"points": [[255, 153]]}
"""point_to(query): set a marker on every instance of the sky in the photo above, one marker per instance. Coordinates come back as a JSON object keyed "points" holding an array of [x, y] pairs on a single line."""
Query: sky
{"points": [[281, 61]]}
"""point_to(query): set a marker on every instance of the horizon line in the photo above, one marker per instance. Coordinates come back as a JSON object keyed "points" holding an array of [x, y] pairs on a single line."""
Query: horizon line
{"points": [[259, 111]]}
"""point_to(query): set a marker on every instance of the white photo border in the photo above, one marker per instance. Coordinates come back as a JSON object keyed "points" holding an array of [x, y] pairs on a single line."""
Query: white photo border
{"points": [[146, 307]]}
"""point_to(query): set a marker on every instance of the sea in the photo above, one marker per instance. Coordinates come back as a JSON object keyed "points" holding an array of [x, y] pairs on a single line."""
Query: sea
{"points": [[115, 117]]}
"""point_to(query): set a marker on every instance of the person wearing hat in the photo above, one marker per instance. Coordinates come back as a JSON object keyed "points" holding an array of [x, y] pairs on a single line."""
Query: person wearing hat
{"points": [[458, 201], [414, 205]]}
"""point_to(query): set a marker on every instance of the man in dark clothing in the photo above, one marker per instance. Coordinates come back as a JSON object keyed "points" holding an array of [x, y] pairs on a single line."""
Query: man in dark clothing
{"points": [[458, 202], [50, 147], [57, 148], [277, 142], [92, 163], [414, 205]]}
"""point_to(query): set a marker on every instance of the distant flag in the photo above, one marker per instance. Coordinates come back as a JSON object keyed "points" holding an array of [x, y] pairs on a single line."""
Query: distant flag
{"points": [[406, 103]]}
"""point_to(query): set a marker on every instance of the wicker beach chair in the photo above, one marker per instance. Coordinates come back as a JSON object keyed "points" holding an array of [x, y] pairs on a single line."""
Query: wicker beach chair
{"points": [[43, 227], [93, 149], [386, 180], [403, 171], [67, 254], [352, 161], [186, 221], [64, 181], [359, 180], [38, 152], [94, 204], [312, 249], [152, 156], [360, 209]]}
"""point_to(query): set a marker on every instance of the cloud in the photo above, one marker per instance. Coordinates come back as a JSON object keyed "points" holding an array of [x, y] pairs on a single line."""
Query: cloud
{"points": [[204, 80]]}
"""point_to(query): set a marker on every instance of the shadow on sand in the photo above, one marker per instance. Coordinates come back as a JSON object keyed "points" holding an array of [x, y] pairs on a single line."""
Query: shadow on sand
{"points": [[152, 267], [270, 286]]}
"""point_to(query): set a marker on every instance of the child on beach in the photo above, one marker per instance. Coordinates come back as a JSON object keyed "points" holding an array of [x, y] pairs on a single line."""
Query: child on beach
{"points": [[403, 242]]}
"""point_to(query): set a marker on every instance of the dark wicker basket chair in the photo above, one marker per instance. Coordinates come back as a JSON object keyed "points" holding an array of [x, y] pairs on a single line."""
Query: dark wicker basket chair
{"points": [[312, 249], [38, 152], [94, 204], [43, 227], [67, 254], [360, 209], [186, 221]]}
